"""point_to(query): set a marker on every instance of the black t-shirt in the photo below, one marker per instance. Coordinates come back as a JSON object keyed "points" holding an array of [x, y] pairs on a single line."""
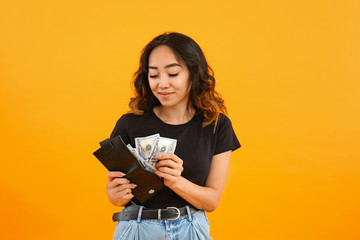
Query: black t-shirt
{"points": [[196, 146]]}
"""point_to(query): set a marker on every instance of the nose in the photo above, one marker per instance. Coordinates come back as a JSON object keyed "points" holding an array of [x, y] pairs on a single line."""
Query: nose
{"points": [[164, 81]]}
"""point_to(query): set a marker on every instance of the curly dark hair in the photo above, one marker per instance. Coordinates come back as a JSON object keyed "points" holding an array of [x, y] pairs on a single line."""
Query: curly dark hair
{"points": [[203, 97]]}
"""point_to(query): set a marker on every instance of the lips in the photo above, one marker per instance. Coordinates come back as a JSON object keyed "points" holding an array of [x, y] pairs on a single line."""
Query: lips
{"points": [[165, 94]]}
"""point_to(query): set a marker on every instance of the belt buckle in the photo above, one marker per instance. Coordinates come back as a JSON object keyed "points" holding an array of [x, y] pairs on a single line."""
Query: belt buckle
{"points": [[171, 219], [178, 213]]}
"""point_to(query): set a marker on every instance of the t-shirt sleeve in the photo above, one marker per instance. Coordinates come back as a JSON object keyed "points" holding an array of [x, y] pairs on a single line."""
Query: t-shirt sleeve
{"points": [[226, 139], [121, 129]]}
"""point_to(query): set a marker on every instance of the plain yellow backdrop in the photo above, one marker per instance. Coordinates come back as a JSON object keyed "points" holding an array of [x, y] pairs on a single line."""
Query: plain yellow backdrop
{"points": [[288, 71]]}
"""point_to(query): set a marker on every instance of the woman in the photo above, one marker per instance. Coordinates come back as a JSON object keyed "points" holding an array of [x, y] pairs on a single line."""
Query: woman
{"points": [[175, 97]]}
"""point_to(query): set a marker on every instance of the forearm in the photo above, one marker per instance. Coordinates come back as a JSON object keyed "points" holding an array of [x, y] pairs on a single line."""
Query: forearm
{"points": [[204, 198]]}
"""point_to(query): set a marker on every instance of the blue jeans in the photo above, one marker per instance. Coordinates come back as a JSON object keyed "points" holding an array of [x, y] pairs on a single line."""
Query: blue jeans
{"points": [[191, 227]]}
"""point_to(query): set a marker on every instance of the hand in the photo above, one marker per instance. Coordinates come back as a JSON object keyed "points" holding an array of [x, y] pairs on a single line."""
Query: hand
{"points": [[170, 168], [118, 189]]}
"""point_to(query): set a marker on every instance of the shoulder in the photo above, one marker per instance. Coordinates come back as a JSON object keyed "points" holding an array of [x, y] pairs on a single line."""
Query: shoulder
{"points": [[223, 119], [223, 125], [222, 122], [129, 119], [125, 122], [225, 134], [131, 116]]}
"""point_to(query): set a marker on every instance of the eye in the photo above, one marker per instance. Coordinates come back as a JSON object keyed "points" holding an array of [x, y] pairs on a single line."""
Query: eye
{"points": [[173, 75], [153, 76]]}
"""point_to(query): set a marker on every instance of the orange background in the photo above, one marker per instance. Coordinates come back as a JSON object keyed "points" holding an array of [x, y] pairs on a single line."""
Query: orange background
{"points": [[289, 73]]}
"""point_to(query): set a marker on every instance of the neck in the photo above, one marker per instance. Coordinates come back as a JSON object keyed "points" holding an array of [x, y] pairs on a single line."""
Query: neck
{"points": [[175, 115]]}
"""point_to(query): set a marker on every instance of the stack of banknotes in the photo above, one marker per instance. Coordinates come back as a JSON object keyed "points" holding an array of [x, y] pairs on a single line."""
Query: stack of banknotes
{"points": [[147, 148]]}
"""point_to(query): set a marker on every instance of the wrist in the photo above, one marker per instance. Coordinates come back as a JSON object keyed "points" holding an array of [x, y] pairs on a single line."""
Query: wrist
{"points": [[178, 185]]}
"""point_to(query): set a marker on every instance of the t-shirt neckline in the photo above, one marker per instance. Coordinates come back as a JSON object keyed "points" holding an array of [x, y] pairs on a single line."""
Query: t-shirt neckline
{"points": [[173, 125]]}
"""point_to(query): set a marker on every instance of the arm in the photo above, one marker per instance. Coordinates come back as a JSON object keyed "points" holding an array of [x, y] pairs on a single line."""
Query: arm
{"points": [[206, 198]]}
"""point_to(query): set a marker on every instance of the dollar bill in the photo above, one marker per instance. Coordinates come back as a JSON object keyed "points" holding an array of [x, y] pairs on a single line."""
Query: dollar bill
{"points": [[146, 145], [147, 148], [149, 166], [163, 146], [130, 147]]}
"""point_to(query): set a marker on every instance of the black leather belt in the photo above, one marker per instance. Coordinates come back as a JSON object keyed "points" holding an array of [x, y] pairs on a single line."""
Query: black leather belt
{"points": [[170, 213]]}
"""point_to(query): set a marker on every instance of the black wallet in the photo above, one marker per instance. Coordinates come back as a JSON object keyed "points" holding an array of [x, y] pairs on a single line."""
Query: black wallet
{"points": [[115, 156]]}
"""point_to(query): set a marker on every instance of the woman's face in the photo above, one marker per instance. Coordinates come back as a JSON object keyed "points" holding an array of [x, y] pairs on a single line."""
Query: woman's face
{"points": [[168, 77]]}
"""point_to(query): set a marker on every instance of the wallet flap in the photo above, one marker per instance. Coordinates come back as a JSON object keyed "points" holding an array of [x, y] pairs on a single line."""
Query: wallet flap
{"points": [[119, 158], [106, 145]]}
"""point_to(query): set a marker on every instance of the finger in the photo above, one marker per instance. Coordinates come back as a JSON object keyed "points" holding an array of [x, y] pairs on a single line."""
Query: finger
{"points": [[124, 194], [166, 176], [117, 181], [112, 174], [166, 163], [169, 164], [167, 156], [169, 171], [128, 196], [120, 181], [123, 187], [170, 156]]}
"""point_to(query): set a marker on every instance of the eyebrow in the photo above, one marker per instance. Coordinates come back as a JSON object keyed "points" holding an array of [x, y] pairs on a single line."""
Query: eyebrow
{"points": [[167, 66]]}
